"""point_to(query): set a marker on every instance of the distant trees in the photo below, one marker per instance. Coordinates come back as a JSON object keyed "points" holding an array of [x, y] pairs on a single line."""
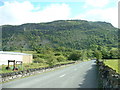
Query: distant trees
{"points": [[105, 53], [63, 40], [51, 56], [39, 60], [114, 53], [98, 54], [51, 60], [61, 54], [73, 34], [74, 56], [61, 58], [84, 55], [90, 54]]}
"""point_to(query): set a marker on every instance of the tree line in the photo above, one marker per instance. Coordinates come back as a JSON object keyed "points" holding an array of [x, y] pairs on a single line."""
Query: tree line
{"points": [[52, 56]]}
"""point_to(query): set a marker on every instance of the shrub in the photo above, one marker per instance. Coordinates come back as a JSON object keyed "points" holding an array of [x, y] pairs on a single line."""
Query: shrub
{"points": [[57, 54], [39, 60], [61, 58], [35, 56], [51, 60], [74, 56]]}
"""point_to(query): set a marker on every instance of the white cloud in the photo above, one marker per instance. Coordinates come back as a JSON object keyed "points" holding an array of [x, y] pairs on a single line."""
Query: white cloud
{"points": [[107, 15], [96, 3], [15, 13], [18, 13], [53, 12], [101, 10]]}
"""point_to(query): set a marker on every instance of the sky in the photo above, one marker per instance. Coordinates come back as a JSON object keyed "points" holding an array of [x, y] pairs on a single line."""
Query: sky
{"points": [[16, 12]]}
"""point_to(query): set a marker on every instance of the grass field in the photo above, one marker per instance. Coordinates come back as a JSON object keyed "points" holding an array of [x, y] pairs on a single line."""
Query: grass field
{"points": [[114, 64]]}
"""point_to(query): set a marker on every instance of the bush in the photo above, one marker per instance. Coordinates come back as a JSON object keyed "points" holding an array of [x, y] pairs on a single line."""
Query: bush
{"points": [[98, 54], [35, 56], [39, 60], [61, 58], [57, 54], [74, 56], [51, 60]]}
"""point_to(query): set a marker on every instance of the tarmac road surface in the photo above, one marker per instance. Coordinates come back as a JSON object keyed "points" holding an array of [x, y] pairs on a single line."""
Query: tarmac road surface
{"points": [[81, 75]]}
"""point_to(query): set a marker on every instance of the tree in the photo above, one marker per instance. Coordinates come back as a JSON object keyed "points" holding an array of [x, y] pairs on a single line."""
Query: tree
{"points": [[51, 60], [98, 54], [90, 54], [74, 56], [114, 54], [61, 58], [105, 53], [84, 55], [39, 60]]}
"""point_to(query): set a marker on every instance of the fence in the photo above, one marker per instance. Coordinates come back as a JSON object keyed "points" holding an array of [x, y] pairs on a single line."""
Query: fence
{"points": [[107, 76]]}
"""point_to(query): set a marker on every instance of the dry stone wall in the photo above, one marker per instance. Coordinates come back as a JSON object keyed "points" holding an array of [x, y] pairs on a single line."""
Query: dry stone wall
{"points": [[107, 76]]}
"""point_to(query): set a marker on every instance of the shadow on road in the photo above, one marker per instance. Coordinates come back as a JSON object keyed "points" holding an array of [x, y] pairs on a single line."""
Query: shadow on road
{"points": [[91, 78]]}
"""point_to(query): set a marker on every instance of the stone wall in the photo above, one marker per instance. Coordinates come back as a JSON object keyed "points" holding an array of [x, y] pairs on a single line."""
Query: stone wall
{"points": [[107, 76], [19, 74]]}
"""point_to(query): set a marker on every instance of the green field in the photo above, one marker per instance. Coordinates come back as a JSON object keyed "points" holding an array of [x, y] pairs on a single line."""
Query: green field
{"points": [[114, 64]]}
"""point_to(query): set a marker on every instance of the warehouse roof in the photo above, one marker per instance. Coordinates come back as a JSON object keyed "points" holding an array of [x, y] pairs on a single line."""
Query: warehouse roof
{"points": [[13, 53]]}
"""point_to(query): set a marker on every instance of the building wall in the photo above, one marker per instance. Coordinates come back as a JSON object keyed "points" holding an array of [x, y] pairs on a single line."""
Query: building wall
{"points": [[5, 57], [27, 58]]}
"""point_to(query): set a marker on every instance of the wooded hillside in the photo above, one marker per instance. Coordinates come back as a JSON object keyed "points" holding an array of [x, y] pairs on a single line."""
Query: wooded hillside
{"points": [[74, 34]]}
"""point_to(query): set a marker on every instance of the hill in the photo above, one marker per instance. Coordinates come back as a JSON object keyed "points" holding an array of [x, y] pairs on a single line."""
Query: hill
{"points": [[75, 34]]}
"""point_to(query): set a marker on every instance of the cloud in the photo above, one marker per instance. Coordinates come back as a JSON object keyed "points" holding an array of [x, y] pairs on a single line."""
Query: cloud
{"points": [[96, 3], [53, 12], [100, 10], [16, 13], [107, 15]]}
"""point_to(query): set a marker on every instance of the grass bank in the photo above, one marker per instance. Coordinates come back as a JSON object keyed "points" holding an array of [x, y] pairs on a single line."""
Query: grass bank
{"points": [[114, 64], [28, 66]]}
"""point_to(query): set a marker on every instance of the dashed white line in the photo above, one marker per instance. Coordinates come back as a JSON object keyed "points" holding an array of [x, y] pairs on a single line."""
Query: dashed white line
{"points": [[75, 69], [63, 75]]}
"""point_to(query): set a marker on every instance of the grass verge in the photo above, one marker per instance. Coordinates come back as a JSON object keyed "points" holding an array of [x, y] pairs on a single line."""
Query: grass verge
{"points": [[114, 64]]}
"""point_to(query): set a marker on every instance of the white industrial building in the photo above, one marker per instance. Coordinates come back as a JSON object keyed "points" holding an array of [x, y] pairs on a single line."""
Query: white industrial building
{"points": [[5, 56]]}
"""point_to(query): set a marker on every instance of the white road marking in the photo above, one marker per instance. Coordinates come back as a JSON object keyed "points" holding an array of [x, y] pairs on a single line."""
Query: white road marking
{"points": [[75, 69], [62, 75]]}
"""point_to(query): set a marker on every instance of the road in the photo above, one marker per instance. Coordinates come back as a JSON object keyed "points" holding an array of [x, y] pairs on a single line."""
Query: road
{"points": [[82, 75]]}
